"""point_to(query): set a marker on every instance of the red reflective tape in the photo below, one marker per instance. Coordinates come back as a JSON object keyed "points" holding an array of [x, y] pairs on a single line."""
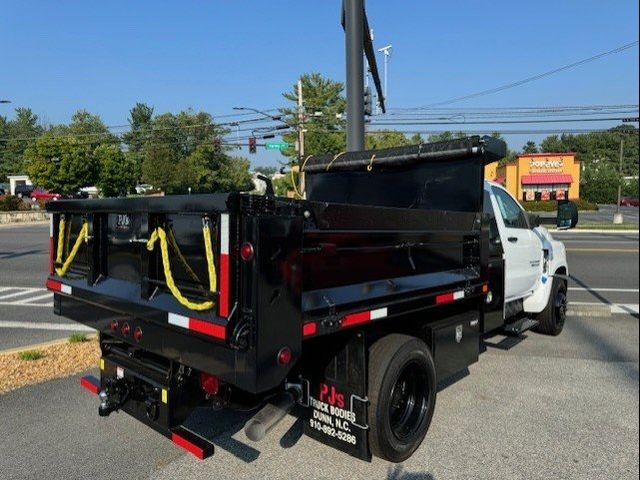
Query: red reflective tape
{"points": [[223, 290], [89, 385], [206, 328], [51, 256], [445, 298], [309, 329], [187, 445], [356, 319], [450, 297], [53, 285]]}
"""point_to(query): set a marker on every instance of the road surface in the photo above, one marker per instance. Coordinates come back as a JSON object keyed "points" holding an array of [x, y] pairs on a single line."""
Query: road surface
{"points": [[540, 408]]}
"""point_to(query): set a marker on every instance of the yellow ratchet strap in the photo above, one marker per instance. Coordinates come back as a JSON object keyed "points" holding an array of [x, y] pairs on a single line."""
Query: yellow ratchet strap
{"points": [[82, 235], [160, 234]]}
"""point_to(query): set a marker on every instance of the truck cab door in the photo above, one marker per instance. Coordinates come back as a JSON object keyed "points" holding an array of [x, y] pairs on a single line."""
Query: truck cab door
{"points": [[522, 248]]}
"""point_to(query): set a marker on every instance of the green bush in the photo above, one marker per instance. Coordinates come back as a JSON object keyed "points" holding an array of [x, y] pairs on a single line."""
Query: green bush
{"points": [[552, 206], [9, 203], [630, 189]]}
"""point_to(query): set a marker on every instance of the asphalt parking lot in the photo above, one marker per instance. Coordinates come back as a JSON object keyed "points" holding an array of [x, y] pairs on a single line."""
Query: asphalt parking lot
{"points": [[542, 407]]}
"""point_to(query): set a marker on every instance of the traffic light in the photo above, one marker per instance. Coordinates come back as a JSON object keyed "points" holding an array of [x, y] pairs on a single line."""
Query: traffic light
{"points": [[253, 146], [368, 102]]}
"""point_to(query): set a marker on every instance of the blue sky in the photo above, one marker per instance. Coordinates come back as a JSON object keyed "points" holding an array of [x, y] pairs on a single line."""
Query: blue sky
{"points": [[57, 57]]}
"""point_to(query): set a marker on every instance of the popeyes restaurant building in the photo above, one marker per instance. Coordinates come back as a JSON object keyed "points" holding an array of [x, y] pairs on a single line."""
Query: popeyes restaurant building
{"points": [[539, 176]]}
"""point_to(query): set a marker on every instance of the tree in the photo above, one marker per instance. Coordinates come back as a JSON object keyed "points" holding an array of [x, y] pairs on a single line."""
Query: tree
{"points": [[61, 164], [18, 133], [324, 132], [530, 147], [118, 171], [600, 184], [266, 171]]}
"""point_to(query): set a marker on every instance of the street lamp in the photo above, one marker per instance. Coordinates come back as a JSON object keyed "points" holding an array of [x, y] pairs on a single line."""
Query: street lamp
{"points": [[386, 51]]}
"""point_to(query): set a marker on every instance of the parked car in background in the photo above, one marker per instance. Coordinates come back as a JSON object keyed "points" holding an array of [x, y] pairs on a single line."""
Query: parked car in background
{"points": [[79, 195], [91, 192], [4, 189], [42, 194], [24, 191], [143, 188], [629, 202]]}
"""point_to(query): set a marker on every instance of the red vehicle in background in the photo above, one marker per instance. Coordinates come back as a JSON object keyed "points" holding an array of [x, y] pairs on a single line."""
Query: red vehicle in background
{"points": [[41, 194], [629, 202]]}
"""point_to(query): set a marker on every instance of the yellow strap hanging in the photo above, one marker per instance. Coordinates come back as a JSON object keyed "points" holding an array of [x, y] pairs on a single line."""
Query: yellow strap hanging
{"points": [[174, 245], [62, 271], [160, 234]]}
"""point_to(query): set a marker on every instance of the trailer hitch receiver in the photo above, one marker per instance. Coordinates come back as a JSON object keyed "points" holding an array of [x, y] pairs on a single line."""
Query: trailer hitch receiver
{"points": [[113, 396]]}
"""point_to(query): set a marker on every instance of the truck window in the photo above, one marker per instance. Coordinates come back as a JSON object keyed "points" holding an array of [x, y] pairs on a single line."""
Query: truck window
{"points": [[510, 211]]}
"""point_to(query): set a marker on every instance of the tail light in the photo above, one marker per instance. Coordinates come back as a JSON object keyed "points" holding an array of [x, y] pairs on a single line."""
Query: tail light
{"points": [[125, 330], [114, 325], [137, 334], [284, 356], [209, 383], [246, 252]]}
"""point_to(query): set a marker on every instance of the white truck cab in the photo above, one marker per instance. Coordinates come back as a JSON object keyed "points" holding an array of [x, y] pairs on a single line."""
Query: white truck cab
{"points": [[535, 265]]}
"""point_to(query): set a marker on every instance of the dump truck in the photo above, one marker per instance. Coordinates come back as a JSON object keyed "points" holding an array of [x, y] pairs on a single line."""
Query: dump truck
{"points": [[347, 306]]}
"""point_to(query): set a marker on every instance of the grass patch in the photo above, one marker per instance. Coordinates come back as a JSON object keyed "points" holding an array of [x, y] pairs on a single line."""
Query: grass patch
{"points": [[30, 355], [78, 338]]}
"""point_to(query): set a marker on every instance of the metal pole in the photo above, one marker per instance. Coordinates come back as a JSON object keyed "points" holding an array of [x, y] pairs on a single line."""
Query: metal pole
{"points": [[301, 178], [354, 26], [386, 79]]}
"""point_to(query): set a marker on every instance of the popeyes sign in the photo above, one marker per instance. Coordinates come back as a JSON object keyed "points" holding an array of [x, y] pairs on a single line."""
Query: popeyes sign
{"points": [[546, 165]]}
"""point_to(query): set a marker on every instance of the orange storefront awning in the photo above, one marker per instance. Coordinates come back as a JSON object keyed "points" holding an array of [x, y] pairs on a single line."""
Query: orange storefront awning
{"points": [[547, 178]]}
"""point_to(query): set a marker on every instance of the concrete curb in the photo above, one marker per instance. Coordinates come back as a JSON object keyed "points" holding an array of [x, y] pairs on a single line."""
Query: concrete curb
{"points": [[36, 346], [13, 218]]}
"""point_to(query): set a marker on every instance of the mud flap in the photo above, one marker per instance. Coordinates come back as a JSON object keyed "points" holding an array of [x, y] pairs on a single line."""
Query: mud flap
{"points": [[337, 413]]}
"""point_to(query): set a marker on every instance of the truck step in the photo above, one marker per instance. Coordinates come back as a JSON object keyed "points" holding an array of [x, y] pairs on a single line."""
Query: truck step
{"points": [[518, 327]]}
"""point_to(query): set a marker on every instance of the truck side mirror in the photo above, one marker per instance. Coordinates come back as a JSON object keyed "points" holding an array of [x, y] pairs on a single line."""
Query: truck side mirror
{"points": [[534, 220], [567, 215]]}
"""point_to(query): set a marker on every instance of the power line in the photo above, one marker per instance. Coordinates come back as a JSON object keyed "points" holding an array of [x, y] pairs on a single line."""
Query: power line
{"points": [[535, 77], [498, 122]]}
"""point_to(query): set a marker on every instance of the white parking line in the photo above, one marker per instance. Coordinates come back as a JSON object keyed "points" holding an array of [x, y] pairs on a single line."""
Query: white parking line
{"points": [[70, 327], [20, 292], [25, 297]]}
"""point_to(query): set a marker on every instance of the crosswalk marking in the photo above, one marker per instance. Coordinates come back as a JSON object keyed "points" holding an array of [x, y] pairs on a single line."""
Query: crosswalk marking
{"points": [[26, 297]]}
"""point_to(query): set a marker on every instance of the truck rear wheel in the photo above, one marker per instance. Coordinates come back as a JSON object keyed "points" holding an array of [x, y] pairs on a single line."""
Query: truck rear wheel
{"points": [[402, 391], [553, 317]]}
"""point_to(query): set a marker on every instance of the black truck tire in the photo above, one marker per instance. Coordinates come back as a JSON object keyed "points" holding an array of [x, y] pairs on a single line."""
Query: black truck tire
{"points": [[553, 317], [402, 392]]}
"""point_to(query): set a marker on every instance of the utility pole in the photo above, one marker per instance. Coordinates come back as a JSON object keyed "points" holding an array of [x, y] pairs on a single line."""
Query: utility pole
{"points": [[618, 218], [301, 175], [354, 26]]}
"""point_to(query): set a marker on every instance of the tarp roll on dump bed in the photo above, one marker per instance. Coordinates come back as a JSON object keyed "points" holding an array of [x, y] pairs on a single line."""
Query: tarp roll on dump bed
{"points": [[426, 176]]}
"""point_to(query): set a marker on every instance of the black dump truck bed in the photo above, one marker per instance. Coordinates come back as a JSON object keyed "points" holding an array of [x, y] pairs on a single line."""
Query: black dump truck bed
{"points": [[236, 285], [315, 264]]}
